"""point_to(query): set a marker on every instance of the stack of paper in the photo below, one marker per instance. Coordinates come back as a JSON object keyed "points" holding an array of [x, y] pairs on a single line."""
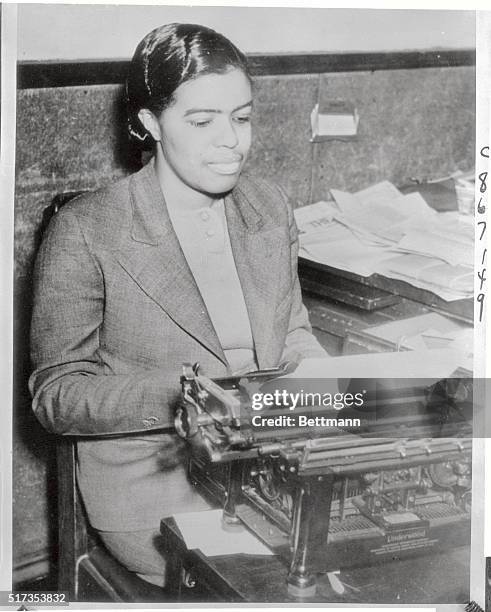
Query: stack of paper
{"points": [[379, 230], [449, 282], [445, 236], [382, 210]]}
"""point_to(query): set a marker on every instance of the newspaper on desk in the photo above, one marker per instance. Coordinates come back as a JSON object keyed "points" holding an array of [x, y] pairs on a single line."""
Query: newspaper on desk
{"points": [[379, 230]]}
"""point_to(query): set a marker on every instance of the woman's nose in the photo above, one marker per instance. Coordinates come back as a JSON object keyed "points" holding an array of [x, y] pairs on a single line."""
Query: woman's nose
{"points": [[228, 135]]}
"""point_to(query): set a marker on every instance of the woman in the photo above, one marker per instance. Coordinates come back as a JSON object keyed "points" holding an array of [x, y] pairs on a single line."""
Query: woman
{"points": [[181, 262]]}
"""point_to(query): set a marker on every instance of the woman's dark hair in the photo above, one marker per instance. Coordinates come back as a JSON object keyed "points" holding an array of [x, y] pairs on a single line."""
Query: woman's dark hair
{"points": [[168, 57]]}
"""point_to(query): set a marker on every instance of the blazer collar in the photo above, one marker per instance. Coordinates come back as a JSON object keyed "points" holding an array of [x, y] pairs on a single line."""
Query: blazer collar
{"points": [[151, 220], [163, 273]]}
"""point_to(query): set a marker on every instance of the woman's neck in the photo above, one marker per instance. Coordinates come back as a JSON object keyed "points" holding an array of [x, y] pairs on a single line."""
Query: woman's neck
{"points": [[176, 193]]}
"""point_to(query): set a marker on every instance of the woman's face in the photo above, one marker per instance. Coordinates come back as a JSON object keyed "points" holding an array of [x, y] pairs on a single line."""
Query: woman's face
{"points": [[205, 135]]}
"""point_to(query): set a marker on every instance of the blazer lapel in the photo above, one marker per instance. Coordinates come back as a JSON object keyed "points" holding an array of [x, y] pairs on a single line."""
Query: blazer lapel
{"points": [[154, 259], [259, 253]]}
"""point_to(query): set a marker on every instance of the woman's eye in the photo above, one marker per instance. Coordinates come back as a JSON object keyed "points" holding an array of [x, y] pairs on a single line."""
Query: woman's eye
{"points": [[242, 119], [199, 123]]}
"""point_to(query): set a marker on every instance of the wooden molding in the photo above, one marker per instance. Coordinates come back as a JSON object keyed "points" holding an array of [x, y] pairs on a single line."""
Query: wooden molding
{"points": [[81, 73]]}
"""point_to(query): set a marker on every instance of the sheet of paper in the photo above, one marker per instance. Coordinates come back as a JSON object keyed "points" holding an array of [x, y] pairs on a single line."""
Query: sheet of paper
{"points": [[449, 282], [415, 205], [338, 246], [419, 214], [455, 225], [415, 325], [428, 364], [417, 343], [427, 242], [329, 234], [339, 234], [381, 209], [346, 202], [378, 194], [352, 255], [204, 530], [384, 191], [434, 339], [369, 216], [459, 278], [315, 216], [464, 341], [430, 330], [377, 220]]}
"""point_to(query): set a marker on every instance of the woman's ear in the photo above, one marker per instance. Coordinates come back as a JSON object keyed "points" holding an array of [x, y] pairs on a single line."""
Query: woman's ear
{"points": [[150, 123]]}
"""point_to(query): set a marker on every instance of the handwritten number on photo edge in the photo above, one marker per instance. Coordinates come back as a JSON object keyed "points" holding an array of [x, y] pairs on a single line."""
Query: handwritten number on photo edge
{"points": [[483, 223], [482, 277], [480, 299], [482, 177]]}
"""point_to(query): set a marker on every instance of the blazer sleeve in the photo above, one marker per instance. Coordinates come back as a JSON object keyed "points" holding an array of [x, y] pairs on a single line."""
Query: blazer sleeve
{"points": [[300, 342], [72, 393]]}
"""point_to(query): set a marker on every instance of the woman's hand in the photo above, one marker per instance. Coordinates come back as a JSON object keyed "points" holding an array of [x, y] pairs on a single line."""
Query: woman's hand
{"points": [[290, 366]]}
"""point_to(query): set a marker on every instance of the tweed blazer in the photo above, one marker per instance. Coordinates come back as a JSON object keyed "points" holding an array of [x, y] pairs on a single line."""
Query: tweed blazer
{"points": [[117, 312]]}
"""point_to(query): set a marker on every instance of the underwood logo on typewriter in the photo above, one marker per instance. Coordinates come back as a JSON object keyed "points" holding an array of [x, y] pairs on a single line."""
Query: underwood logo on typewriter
{"points": [[405, 540]]}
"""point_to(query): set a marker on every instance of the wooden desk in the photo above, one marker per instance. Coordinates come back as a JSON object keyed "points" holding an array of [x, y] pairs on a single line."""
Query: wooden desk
{"points": [[335, 304], [432, 579], [378, 291]]}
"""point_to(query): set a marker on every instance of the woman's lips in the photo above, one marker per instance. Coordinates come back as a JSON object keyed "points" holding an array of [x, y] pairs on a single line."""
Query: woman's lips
{"points": [[231, 167]]}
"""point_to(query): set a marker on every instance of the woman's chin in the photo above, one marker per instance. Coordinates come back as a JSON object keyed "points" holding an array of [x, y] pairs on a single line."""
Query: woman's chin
{"points": [[221, 183]]}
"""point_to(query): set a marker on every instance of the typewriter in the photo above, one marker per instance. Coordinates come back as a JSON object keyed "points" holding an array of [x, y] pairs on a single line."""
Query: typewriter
{"points": [[335, 492]]}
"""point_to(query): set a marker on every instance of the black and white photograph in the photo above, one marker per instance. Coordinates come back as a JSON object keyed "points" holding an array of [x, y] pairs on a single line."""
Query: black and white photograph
{"points": [[249, 304]]}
